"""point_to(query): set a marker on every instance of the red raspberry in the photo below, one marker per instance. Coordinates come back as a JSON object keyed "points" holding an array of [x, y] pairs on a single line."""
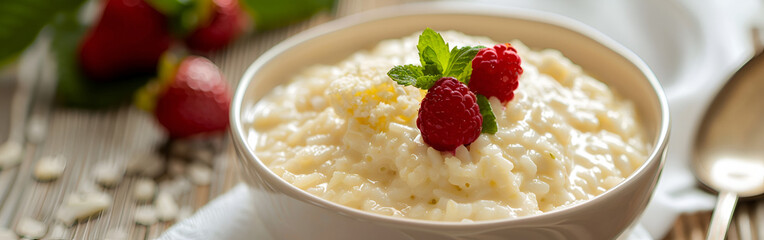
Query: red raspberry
{"points": [[495, 72], [449, 115]]}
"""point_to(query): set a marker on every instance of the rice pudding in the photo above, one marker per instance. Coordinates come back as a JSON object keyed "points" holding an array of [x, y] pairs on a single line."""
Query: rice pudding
{"points": [[347, 133]]}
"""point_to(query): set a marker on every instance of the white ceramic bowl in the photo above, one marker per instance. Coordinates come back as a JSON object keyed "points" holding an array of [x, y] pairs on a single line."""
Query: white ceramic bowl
{"points": [[290, 213]]}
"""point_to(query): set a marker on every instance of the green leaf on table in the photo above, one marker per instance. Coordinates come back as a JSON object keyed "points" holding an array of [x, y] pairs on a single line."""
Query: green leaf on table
{"points": [[270, 14], [73, 88], [184, 16], [489, 120], [21, 20], [169, 7]]}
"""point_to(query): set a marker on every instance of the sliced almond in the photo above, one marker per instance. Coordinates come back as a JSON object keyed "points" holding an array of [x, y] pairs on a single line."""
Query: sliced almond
{"points": [[108, 174], [166, 207], [82, 205], [31, 228], [145, 215], [144, 189], [49, 168]]}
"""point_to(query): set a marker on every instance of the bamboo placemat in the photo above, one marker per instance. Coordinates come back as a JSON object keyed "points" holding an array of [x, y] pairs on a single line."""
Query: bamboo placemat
{"points": [[86, 137]]}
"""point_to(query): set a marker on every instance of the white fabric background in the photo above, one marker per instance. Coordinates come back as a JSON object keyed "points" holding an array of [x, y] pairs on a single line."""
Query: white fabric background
{"points": [[691, 45]]}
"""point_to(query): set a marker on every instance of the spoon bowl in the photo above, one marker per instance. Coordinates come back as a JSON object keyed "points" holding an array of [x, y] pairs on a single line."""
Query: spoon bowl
{"points": [[729, 148]]}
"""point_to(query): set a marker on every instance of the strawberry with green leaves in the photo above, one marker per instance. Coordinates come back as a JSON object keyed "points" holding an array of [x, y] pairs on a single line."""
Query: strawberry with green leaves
{"points": [[226, 23], [204, 25], [189, 98]]}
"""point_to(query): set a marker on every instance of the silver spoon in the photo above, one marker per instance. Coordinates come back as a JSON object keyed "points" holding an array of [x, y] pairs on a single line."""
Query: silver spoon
{"points": [[729, 148]]}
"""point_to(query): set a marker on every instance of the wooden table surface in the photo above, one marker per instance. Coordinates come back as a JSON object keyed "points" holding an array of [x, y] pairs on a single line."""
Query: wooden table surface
{"points": [[86, 137]]}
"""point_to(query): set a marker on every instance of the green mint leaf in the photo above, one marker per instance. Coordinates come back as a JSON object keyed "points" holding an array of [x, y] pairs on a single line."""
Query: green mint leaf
{"points": [[433, 50], [464, 77], [431, 70], [437, 62], [429, 60], [489, 120], [459, 60], [426, 82], [405, 75], [460, 63], [411, 75]]}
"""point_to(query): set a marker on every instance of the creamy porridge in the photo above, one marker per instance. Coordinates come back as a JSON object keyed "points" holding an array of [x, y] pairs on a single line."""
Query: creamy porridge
{"points": [[348, 134]]}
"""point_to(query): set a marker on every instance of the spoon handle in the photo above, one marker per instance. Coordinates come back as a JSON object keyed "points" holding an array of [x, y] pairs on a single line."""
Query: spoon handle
{"points": [[720, 220]]}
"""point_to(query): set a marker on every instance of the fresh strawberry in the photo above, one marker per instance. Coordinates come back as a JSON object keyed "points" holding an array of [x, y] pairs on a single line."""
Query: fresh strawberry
{"points": [[194, 99], [226, 24], [127, 41]]}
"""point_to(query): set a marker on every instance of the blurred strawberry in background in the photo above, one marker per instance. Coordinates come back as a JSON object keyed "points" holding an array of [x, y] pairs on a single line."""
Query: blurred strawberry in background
{"points": [[189, 97], [106, 50], [127, 41], [226, 23], [195, 101]]}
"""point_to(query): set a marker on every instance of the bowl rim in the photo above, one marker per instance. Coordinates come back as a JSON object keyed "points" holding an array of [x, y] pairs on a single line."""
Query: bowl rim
{"points": [[438, 8]]}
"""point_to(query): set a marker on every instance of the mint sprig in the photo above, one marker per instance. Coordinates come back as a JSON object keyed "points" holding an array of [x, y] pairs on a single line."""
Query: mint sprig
{"points": [[460, 63], [433, 52], [438, 62], [406, 75], [489, 120]]}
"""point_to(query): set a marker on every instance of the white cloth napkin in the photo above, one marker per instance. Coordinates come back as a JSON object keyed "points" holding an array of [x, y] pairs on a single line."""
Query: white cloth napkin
{"points": [[230, 216], [691, 45]]}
